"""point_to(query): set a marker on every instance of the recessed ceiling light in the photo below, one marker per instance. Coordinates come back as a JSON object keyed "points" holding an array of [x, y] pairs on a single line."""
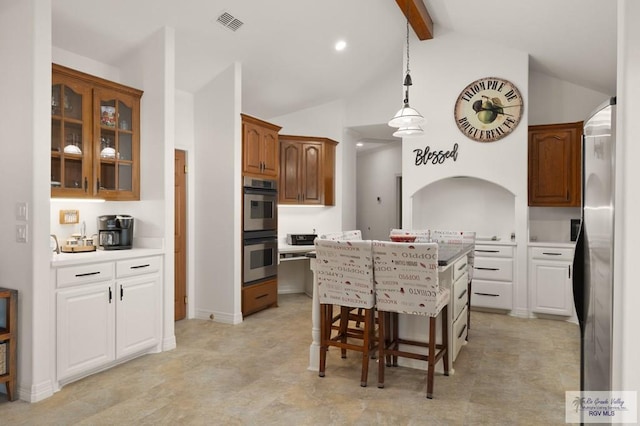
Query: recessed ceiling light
{"points": [[340, 45], [359, 144]]}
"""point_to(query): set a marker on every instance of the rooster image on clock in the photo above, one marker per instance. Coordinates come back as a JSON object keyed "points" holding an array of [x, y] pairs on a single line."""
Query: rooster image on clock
{"points": [[488, 109]]}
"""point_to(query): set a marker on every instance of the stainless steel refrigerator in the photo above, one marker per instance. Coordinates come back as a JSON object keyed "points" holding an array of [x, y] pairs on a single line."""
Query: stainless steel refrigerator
{"points": [[593, 260]]}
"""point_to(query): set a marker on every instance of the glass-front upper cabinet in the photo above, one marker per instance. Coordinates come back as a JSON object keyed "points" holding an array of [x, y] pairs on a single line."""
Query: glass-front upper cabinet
{"points": [[95, 137], [119, 146], [70, 137]]}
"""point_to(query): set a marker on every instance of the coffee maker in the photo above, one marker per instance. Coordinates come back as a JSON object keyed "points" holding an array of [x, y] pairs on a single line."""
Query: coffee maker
{"points": [[115, 232]]}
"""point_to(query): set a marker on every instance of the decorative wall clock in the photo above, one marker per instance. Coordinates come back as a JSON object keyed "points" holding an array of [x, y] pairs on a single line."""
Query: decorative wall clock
{"points": [[488, 109]]}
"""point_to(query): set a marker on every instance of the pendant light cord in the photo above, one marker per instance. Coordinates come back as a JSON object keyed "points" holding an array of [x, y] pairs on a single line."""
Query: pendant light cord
{"points": [[408, 71]]}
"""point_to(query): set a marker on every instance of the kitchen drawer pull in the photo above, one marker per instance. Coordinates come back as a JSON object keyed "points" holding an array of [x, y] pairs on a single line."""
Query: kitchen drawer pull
{"points": [[140, 266], [262, 295], [487, 251], [486, 294], [462, 331], [486, 269], [551, 254], [462, 267], [87, 274], [462, 294]]}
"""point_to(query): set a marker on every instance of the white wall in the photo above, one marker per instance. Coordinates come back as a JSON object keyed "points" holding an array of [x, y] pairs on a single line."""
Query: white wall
{"points": [[626, 290], [377, 203], [152, 69], [25, 137], [466, 204], [377, 102], [327, 121], [552, 100], [436, 86], [218, 148]]}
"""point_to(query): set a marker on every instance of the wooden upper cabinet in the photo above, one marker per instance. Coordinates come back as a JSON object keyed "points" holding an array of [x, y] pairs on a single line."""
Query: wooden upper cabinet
{"points": [[260, 153], [95, 137], [307, 169], [555, 172]]}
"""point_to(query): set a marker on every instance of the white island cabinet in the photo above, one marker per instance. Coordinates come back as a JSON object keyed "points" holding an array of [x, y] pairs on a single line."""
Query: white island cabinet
{"points": [[106, 312], [550, 279]]}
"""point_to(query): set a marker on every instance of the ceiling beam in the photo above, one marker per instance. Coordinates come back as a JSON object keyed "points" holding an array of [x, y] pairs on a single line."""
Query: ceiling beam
{"points": [[418, 16]]}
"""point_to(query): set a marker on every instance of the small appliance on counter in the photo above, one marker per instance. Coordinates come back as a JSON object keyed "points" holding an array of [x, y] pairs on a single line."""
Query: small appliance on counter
{"points": [[78, 243], [301, 239], [115, 232]]}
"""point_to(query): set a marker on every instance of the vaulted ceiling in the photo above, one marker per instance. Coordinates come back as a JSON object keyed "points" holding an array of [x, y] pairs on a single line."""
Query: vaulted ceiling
{"points": [[286, 47]]}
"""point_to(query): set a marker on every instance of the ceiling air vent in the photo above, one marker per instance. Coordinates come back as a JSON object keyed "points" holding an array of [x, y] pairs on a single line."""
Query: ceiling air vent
{"points": [[229, 21]]}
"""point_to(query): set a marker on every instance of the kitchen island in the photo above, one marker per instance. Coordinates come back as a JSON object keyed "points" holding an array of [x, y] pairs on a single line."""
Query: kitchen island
{"points": [[453, 264]]}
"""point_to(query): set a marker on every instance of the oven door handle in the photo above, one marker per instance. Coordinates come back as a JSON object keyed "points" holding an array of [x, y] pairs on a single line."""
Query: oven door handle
{"points": [[258, 191], [262, 240]]}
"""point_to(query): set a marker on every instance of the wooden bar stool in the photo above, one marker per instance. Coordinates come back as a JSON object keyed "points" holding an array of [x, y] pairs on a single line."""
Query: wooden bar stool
{"points": [[345, 279], [406, 282]]}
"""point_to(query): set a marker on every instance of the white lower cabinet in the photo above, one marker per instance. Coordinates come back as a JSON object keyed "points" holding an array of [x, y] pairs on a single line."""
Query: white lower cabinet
{"points": [[85, 328], [137, 315], [550, 278], [106, 312], [492, 285]]}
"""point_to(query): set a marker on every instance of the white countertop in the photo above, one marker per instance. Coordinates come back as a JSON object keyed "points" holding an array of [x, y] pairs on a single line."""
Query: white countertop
{"points": [[500, 242], [552, 244], [69, 259], [287, 248]]}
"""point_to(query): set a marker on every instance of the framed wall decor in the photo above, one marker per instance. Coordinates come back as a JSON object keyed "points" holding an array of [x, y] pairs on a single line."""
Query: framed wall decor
{"points": [[488, 109]]}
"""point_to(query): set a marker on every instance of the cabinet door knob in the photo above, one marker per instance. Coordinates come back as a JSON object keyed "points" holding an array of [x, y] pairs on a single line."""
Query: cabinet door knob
{"points": [[86, 184]]}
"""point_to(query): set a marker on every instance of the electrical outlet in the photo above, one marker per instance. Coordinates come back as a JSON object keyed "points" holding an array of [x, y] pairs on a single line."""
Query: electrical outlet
{"points": [[21, 233]]}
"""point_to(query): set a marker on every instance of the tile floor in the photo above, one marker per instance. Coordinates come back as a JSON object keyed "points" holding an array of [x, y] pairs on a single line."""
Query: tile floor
{"points": [[513, 371]]}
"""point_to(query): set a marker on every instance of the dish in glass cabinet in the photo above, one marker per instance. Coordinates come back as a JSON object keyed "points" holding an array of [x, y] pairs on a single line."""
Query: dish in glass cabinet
{"points": [[108, 152], [72, 149], [55, 184]]}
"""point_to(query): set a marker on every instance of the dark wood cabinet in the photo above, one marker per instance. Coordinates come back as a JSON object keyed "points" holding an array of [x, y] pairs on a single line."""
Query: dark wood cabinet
{"points": [[555, 165], [307, 170], [259, 296], [95, 137], [8, 342], [259, 148]]}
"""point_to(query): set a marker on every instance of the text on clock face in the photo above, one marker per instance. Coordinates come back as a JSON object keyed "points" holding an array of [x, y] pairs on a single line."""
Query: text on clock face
{"points": [[487, 135], [483, 85]]}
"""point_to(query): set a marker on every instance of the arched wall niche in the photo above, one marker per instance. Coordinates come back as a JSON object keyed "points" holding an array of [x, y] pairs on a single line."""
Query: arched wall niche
{"points": [[467, 204]]}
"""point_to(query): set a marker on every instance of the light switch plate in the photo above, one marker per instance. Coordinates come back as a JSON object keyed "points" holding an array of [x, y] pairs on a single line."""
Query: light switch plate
{"points": [[22, 212], [21, 233]]}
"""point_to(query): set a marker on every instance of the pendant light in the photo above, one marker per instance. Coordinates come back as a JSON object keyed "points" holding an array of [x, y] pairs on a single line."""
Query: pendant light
{"points": [[408, 120]]}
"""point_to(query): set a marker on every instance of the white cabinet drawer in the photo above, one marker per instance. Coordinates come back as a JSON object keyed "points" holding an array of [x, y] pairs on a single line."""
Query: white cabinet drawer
{"points": [[83, 274], [489, 294], [493, 251], [493, 268], [139, 266], [459, 267], [460, 296], [552, 253], [459, 333]]}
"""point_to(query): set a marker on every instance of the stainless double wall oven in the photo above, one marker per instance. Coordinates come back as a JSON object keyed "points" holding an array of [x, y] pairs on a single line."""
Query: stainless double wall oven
{"points": [[259, 230]]}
